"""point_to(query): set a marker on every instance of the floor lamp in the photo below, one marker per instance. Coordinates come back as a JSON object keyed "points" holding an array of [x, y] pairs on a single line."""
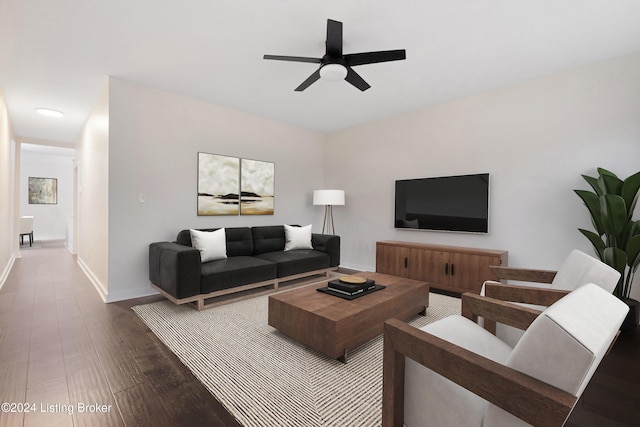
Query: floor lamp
{"points": [[328, 198]]}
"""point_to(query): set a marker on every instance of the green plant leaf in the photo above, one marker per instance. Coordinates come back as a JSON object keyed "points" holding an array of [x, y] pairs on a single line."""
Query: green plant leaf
{"points": [[592, 201], [616, 258], [596, 241], [611, 184], [618, 240], [633, 251], [593, 182], [630, 193], [624, 236], [614, 214], [603, 171]]}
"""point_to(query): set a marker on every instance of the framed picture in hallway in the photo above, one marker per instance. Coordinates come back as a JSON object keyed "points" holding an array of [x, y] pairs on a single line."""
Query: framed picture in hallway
{"points": [[43, 191], [218, 184], [257, 187]]}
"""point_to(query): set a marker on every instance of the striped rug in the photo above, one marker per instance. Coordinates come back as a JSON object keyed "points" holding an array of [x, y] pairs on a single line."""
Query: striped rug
{"points": [[266, 379]]}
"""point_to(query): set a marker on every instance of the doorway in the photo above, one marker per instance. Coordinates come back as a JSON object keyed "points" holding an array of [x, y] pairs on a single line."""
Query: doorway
{"points": [[46, 192]]}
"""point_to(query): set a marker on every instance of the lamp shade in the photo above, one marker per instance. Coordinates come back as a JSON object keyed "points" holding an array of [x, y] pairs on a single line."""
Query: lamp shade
{"points": [[328, 197]]}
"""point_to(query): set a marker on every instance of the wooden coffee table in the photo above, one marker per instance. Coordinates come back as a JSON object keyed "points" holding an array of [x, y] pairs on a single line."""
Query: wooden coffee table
{"points": [[333, 325]]}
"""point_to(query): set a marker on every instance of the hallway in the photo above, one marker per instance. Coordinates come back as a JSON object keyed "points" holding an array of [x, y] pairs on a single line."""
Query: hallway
{"points": [[78, 362]]}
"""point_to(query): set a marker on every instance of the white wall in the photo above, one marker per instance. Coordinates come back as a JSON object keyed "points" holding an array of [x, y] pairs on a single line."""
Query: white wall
{"points": [[92, 153], [8, 233], [535, 139], [154, 140], [49, 220]]}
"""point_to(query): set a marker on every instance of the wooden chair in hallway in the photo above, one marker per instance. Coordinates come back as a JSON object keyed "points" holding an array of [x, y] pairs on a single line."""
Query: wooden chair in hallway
{"points": [[26, 229]]}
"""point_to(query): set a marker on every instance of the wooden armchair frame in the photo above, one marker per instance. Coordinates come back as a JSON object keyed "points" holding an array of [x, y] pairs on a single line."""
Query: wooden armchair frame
{"points": [[519, 293], [534, 401], [523, 274]]}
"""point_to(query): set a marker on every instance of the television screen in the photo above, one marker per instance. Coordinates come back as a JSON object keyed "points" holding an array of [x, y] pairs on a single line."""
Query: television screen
{"points": [[451, 203]]}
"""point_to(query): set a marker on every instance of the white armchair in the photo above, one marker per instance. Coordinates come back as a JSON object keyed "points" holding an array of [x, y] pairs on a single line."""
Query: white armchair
{"points": [[26, 229], [455, 373], [576, 270]]}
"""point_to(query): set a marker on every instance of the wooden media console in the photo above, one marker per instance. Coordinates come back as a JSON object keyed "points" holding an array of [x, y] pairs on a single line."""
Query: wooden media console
{"points": [[450, 268]]}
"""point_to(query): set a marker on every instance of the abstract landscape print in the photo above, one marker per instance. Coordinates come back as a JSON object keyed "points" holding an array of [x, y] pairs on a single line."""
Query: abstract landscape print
{"points": [[218, 184], [257, 187]]}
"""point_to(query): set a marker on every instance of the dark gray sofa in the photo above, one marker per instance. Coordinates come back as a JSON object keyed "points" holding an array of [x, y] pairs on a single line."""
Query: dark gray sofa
{"points": [[255, 258]]}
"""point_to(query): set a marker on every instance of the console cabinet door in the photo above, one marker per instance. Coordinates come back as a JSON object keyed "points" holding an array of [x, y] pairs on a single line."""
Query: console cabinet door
{"points": [[392, 260], [469, 272], [429, 265]]}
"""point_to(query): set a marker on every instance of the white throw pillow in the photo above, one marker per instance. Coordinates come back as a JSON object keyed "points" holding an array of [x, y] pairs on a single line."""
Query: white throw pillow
{"points": [[297, 237], [211, 244]]}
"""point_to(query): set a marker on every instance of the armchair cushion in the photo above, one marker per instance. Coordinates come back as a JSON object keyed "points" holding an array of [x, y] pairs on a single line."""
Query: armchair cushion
{"points": [[579, 269], [565, 344], [557, 354], [443, 402]]}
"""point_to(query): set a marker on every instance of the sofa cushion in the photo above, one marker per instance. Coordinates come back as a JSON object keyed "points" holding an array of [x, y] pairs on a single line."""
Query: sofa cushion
{"points": [[239, 240], [297, 237], [268, 239], [296, 262], [211, 244], [235, 271]]}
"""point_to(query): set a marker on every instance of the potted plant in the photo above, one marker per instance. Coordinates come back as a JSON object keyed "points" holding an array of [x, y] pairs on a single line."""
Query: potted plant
{"points": [[617, 236]]}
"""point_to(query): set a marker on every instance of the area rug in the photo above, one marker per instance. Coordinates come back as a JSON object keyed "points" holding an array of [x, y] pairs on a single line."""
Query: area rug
{"points": [[264, 378]]}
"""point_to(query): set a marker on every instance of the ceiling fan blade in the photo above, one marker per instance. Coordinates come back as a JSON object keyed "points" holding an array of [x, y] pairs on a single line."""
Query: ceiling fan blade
{"points": [[334, 38], [294, 58], [355, 79], [374, 57], [310, 80]]}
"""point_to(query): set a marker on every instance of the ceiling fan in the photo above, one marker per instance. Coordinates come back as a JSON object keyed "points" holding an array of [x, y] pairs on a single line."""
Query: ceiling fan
{"points": [[335, 66]]}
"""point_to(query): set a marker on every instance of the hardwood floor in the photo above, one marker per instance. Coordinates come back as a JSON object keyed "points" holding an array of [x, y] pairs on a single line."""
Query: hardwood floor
{"points": [[612, 398], [61, 346]]}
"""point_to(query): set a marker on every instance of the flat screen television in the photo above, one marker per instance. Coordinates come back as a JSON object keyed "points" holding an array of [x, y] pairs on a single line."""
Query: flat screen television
{"points": [[449, 203]]}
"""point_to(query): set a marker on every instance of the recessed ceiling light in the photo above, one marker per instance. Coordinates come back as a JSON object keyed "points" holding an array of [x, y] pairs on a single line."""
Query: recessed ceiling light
{"points": [[49, 112]]}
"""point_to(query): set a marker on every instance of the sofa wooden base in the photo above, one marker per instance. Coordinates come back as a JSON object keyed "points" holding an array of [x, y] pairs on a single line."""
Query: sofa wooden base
{"points": [[239, 293]]}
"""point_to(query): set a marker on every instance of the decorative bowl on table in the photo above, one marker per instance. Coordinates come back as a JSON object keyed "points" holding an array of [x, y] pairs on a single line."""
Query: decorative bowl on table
{"points": [[353, 280]]}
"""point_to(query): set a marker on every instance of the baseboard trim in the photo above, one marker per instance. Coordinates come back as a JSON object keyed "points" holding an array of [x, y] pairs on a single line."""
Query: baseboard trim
{"points": [[130, 294], [7, 270], [356, 268], [93, 279]]}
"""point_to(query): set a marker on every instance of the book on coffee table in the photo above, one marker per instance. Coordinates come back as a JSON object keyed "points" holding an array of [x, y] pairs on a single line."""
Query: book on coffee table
{"points": [[350, 295], [341, 285], [350, 290]]}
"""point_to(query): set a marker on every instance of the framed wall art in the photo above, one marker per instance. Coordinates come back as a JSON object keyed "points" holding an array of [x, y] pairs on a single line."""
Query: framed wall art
{"points": [[218, 185], [257, 187], [43, 191]]}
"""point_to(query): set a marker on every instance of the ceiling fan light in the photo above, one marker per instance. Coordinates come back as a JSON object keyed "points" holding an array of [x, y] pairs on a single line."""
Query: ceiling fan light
{"points": [[333, 72], [49, 112]]}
